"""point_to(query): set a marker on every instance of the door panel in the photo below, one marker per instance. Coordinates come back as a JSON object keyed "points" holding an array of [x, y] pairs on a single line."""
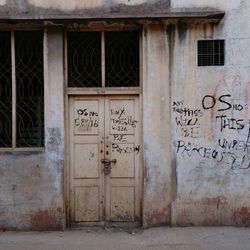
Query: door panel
{"points": [[87, 117], [104, 131], [125, 167], [86, 150], [122, 117], [86, 160], [87, 204], [122, 142], [122, 203]]}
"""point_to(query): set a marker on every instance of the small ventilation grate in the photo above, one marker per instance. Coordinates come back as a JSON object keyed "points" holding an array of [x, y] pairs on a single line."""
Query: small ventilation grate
{"points": [[211, 52]]}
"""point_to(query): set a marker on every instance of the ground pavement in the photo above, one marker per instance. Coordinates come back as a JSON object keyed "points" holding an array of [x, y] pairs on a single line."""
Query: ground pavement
{"points": [[162, 238]]}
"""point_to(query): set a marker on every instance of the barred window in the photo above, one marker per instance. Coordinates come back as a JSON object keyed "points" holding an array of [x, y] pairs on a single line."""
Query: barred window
{"points": [[211, 52], [103, 59], [5, 91], [122, 59], [21, 89], [84, 53]]}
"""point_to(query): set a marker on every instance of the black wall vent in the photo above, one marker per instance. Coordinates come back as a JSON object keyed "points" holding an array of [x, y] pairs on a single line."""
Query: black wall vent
{"points": [[211, 52]]}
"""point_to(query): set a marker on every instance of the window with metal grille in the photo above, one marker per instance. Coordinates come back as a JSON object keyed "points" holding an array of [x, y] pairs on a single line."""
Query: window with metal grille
{"points": [[5, 90], [21, 89], [84, 59], [103, 59], [211, 52], [122, 59]]}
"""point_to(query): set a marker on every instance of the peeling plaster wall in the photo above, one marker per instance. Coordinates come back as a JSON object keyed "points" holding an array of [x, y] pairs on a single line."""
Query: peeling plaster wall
{"points": [[31, 188], [156, 132], [211, 121]]}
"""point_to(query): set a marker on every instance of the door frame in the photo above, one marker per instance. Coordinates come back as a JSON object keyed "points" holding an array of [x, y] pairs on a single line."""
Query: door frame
{"points": [[102, 91], [67, 179]]}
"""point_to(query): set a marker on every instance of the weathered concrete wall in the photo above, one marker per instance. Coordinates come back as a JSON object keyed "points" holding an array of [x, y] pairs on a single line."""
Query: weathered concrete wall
{"points": [[31, 189], [206, 109], [37, 9], [156, 132], [211, 121]]}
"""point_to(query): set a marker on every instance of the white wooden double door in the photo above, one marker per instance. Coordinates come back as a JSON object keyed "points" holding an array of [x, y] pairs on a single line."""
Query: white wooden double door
{"points": [[104, 159]]}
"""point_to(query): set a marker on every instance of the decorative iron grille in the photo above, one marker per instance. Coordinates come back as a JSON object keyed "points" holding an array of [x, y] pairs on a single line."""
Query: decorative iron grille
{"points": [[5, 90], [211, 52], [29, 89], [122, 59], [84, 59]]}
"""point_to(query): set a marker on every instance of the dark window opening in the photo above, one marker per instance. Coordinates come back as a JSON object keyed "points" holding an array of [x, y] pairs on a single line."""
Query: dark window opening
{"points": [[5, 90], [84, 59], [122, 59], [109, 62], [29, 89], [211, 52]]}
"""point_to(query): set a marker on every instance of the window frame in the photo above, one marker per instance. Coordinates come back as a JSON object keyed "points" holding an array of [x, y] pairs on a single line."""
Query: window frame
{"points": [[14, 147], [103, 90]]}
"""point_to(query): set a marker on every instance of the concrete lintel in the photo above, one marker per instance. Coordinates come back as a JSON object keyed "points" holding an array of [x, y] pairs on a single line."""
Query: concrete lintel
{"points": [[168, 15]]}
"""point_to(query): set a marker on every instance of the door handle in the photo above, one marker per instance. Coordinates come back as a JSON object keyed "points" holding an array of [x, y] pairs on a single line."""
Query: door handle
{"points": [[107, 165]]}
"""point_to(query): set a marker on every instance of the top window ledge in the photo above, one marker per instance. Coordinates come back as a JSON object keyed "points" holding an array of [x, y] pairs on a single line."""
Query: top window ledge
{"points": [[28, 150], [104, 91], [169, 15]]}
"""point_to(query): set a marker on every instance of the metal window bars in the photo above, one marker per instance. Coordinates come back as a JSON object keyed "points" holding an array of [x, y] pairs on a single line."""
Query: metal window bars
{"points": [[21, 89], [211, 52], [103, 59]]}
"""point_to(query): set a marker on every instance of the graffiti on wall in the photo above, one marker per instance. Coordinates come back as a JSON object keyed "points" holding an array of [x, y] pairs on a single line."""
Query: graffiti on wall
{"points": [[87, 119], [187, 120], [232, 149], [221, 104]]}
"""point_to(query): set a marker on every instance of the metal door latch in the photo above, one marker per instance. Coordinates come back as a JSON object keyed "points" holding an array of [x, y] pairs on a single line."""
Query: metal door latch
{"points": [[107, 165]]}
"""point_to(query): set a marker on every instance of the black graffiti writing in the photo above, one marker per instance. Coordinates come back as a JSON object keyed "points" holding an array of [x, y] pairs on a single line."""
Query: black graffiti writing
{"points": [[234, 152], [236, 162], [120, 128], [178, 103], [120, 138], [180, 121], [188, 111], [230, 123], [120, 121], [187, 120], [238, 107], [209, 101], [190, 149], [123, 149], [118, 112], [90, 123], [86, 119], [223, 103], [193, 132], [85, 112], [237, 145], [239, 163], [125, 121]]}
